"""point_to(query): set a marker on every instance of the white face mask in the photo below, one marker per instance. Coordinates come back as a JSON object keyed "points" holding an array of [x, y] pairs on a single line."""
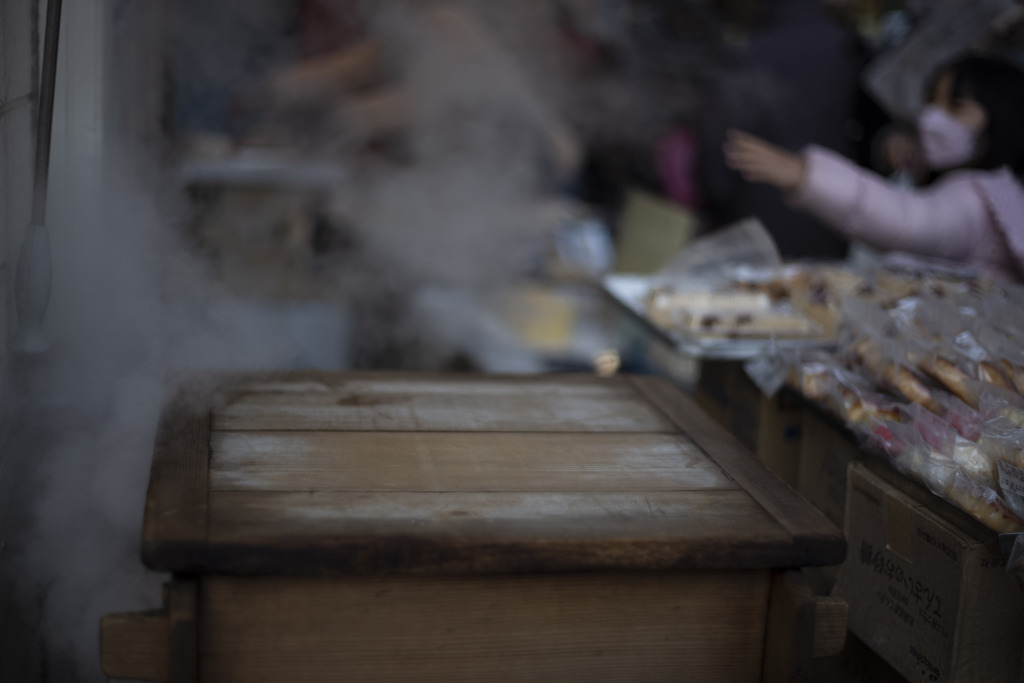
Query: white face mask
{"points": [[945, 140]]}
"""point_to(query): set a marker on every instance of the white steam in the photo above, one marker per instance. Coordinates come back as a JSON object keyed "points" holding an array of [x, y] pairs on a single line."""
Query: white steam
{"points": [[132, 307]]}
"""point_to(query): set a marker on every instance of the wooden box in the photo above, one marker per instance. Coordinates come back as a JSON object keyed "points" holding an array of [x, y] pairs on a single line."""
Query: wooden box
{"points": [[770, 427], [825, 455], [326, 527]]}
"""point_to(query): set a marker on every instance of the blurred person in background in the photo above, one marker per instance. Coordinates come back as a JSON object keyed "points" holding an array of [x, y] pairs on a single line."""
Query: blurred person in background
{"points": [[457, 157], [794, 83], [974, 213], [420, 65]]}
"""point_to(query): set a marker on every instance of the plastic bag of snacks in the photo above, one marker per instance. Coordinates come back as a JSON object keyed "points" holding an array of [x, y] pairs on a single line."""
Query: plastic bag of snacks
{"points": [[974, 462], [814, 373], [943, 437], [870, 337], [886, 362], [846, 394], [964, 373], [852, 399], [769, 372], [1002, 439], [985, 505], [1001, 409], [909, 453], [964, 419], [936, 432], [1005, 350], [948, 348]]}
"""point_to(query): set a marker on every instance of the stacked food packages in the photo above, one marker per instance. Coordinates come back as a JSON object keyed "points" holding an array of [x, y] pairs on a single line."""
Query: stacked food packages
{"points": [[930, 372]]}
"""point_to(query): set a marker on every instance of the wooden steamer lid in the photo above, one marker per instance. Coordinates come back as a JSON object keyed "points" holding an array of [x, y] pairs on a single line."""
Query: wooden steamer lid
{"points": [[363, 473]]}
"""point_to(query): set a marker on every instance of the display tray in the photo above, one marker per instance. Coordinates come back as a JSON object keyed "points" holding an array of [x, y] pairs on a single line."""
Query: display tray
{"points": [[629, 291]]}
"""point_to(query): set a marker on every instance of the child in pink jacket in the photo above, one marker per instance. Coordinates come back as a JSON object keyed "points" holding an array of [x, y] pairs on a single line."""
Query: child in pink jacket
{"points": [[973, 214]]}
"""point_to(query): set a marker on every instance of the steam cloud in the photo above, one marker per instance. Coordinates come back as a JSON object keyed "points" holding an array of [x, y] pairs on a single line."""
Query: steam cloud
{"points": [[132, 307]]}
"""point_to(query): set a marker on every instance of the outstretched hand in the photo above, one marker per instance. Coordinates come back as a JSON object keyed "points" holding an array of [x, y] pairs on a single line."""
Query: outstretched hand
{"points": [[761, 162]]}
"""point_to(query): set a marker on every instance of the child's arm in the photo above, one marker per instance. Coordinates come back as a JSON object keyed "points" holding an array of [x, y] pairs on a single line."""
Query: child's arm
{"points": [[861, 205], [940, 222]]}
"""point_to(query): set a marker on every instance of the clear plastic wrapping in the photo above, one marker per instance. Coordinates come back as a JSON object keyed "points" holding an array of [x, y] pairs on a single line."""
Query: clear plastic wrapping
{"points": [[985, 505], [956, 423], [943, 469], [909, 453], [814, 374], [962, 375], [962, 417], [889, 363], [945, 344], [823, 378], [1002, 439], [852, 399], [1005, 350]]}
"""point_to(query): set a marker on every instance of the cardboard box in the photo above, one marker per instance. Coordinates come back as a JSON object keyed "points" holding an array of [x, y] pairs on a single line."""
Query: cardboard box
{"points": [[825, 455], [856, 664], [770, 427], [927, 591]]}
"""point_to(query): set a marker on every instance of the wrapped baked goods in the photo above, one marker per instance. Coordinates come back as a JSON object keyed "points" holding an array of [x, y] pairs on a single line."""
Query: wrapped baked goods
{"points": [[854, 401], [814, 374], [941, 435], [909, 453], [975, 462], [726, 314], [1015, 371], [1006, 349], [776, 283], [955, 417], [1001, 411], [944, 473], [890, 369], [778, 322], [816, 290], [667, 298], [942, 342], [962, 376], [1002, 439], [985, 505]]}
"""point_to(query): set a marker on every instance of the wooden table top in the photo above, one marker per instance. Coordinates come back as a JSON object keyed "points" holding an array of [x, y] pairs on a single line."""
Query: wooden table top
{"points": [[363, 473]]}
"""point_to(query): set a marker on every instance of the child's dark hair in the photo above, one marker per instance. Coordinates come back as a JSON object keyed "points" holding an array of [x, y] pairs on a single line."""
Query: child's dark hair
{"points": [[998, 86]]}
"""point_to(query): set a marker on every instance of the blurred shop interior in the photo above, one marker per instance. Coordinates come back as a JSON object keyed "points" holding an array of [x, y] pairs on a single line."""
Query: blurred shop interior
{"points": [[455, 186]]}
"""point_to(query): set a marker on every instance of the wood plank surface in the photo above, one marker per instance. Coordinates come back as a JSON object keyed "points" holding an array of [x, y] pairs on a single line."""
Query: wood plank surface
{"points": [[397, 404], [816, 540], [183, 618], [514, 501], [694, 626], [397, 461], [789, 636], [305, 380], [365, 533], [136, 645], [174, 526]]}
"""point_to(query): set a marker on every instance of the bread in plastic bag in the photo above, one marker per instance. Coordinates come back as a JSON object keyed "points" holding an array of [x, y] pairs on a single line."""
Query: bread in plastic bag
{"points": [[964, 419], [909, 453], [984, 504]]}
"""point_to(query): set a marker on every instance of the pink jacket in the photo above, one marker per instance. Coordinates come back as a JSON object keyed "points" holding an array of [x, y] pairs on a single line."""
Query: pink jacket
{"points": [[975, 217]]}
